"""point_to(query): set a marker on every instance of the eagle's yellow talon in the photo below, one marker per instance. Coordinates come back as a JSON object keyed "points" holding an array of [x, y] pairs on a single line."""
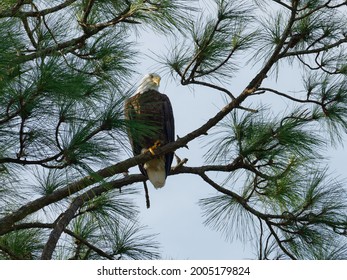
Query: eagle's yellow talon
{"points": [[151, 151], [156, 145]]}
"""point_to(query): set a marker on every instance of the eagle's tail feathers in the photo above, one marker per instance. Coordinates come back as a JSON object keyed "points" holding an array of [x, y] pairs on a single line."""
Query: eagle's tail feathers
{"points": [[155, 169]]}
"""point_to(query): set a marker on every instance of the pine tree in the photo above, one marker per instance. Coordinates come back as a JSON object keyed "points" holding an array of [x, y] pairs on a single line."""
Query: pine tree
{"points": [[66, 68]]}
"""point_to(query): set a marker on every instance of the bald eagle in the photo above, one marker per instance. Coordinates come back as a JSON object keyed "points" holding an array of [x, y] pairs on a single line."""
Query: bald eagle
{"points": [[151, 111]]}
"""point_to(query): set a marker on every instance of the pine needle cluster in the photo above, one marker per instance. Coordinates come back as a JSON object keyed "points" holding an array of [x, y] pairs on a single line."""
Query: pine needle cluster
{"points": [[65, 70]]}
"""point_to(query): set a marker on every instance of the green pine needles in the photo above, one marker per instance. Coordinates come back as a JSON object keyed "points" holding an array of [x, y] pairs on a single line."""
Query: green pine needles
{"points": [[66, 68]]}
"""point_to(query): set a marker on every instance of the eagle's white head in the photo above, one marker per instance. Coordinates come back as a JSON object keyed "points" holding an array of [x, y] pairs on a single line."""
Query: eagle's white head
{"points": [[148, 82]]}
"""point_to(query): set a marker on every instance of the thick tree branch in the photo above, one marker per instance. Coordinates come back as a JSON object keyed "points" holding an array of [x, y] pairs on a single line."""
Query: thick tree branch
{"points": [[7, 222], [60, 225]]}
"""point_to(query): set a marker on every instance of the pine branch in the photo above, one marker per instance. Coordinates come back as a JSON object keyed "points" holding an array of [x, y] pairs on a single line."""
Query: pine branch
{"points": [[217, 67], [21, 14], [206, 84], [283, 4], [196, 61], [8, 252], [67, 231], [52, 162], [242, 201], [279, 242], [42, 162], [261, 216], [317, 50], [71, 45], [264, 157], [61, 193], [276, 54], [320, 7], [6, 222], [29, 32], [260, 242], [60, 225], [87, 11], [303, 101]]}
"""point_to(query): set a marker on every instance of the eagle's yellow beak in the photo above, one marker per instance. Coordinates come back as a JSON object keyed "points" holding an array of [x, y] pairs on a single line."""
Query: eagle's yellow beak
{"points": [[156, 80]]}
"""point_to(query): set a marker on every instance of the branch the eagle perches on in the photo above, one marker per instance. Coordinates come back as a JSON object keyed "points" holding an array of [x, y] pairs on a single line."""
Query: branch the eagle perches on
{"points": [[120, 167]]}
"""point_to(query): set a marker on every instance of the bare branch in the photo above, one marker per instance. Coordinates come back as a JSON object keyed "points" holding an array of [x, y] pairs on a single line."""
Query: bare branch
{"points": [[289, 97], [283, 4], [29, 32], [87, 11], [279, 242], [317, 50], [193, 81]]}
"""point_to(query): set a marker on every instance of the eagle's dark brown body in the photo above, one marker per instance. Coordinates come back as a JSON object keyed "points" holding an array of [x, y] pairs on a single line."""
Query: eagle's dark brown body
{"points": [[152, 117]]}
